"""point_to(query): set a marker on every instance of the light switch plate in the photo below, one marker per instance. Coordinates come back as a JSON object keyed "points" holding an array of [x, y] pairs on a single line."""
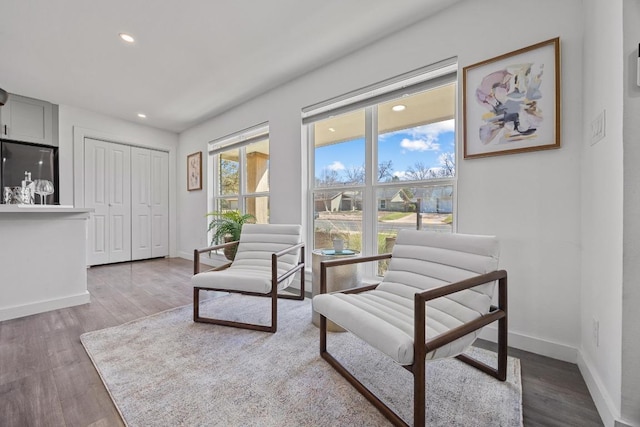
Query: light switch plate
{"points": [[598, 128]]}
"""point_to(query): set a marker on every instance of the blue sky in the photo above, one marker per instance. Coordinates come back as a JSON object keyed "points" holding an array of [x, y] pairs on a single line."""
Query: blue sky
{"points": [[405, 147]]}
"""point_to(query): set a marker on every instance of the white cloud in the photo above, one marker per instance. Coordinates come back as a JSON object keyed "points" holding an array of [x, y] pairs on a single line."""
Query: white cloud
{"points": [[427, 144], [432, 130], [336, 166], [424, 138]]}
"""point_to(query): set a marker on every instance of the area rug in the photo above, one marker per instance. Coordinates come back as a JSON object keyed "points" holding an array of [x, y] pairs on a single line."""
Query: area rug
{"points": [[165, 370]]}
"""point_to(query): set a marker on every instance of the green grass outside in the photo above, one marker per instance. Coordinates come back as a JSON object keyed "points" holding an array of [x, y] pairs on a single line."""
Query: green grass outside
{"points": [[395, 215]]}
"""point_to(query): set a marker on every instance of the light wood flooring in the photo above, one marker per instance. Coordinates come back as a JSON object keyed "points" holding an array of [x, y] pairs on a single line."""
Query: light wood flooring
{"points": [[47, 379]]}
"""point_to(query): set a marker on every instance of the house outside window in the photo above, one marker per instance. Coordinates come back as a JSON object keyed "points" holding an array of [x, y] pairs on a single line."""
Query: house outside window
{"points": [[239, 173], [383, 163]]}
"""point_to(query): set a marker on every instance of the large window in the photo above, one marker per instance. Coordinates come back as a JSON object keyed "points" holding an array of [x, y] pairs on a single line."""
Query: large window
{"points": [[239, 171], [383, 164]]}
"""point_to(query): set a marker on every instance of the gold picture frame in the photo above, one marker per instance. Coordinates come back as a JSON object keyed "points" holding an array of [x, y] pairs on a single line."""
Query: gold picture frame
{"points": [[511, 103], [194, 171]]}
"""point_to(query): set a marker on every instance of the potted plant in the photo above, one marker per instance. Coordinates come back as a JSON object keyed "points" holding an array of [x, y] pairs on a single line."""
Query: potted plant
{"points": [[226, 227]]}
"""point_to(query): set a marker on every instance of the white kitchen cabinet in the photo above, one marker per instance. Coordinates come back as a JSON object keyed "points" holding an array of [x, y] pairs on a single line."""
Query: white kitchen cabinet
{"points": [[29, 120], [149, 203]]}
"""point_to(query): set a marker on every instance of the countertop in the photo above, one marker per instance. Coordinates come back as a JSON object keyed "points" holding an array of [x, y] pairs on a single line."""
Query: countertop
{"points": [[34, 209]]}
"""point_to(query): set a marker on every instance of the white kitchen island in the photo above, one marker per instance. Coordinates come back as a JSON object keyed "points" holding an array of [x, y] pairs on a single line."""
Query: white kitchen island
{"points": [[42, 259]]}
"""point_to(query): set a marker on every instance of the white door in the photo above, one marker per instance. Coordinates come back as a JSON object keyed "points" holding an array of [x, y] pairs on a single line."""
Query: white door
{"points": [[159, 203], [120, 203], [140, 203], [96, 196], [108, 192]]}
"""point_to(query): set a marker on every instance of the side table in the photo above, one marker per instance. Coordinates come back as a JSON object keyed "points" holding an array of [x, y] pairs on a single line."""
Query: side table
{"points": [[338, 278]]}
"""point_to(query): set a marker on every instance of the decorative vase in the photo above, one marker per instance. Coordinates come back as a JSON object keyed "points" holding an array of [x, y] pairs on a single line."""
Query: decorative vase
{"points": [[230, 251]]}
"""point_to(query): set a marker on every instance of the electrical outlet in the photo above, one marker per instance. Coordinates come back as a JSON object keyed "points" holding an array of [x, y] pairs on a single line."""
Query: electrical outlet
{"points": [[596, 332], [598, 128]]}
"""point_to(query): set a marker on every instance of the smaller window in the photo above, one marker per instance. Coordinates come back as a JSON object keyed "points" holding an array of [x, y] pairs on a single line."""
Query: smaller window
{"points": [[239, 167]]}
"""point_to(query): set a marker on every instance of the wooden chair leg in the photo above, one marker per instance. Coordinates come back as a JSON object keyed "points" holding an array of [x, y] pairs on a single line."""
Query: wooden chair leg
{"points": [[419, 394], [196, 303], [199, 319]]}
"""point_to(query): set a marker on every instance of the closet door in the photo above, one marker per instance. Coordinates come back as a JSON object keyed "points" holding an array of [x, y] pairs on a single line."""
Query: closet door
{"points": [[119, 203], [96, 196], [108, 191], [159, 203], [140, 203]]}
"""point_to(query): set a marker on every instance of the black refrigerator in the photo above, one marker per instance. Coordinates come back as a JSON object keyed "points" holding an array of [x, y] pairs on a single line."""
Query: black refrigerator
{"points": [[39, 160]]}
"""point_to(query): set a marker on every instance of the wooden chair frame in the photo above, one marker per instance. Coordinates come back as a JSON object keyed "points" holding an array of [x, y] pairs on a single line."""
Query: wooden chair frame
{"points": [[421, 347], [275, 280]]}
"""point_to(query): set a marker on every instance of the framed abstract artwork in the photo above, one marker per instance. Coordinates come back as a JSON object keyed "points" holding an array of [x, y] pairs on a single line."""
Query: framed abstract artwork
{"points": [[194, 171], [511, 102]]}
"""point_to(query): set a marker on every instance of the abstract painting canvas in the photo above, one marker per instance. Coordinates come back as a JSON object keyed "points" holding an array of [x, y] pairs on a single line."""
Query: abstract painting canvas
{"points": [[512, 102]]}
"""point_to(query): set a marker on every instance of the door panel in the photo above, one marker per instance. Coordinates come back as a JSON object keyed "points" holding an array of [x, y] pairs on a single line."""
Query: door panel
{"points": [[160, 203], [140, 203], [96, 197], [120, 202], [98, 232]]}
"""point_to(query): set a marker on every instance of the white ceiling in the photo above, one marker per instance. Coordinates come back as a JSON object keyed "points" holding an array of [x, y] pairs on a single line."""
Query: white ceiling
{"points": [[192, 59]]}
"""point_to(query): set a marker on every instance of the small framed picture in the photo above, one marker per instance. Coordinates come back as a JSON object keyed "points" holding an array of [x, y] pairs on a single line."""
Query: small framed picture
{"points": [[194, 171], [511, 103]]}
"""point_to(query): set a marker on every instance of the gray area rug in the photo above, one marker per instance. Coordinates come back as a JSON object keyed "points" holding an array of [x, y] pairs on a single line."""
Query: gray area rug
{"points": [[165, 370]]}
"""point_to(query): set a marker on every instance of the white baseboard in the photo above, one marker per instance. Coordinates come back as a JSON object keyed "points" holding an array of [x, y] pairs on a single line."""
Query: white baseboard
{"points": [[42, 306], [535, 345], [604, 404]]}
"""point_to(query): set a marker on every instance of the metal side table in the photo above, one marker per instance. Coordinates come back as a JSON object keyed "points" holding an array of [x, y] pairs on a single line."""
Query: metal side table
{"points": [[338, 278]]}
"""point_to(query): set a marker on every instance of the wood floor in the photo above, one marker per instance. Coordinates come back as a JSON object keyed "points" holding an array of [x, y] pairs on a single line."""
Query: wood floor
{"points": [[47, 379]]}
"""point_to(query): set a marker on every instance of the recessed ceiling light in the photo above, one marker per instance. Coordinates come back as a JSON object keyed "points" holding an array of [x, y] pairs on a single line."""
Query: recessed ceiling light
{"points": [[398, 107], [127, 37], [332, 130], [142, 115]]}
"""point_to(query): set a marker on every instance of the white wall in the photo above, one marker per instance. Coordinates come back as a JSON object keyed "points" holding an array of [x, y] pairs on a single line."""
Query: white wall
{"points": [[631, 276], [531, 201], [602, 227], [75, 122]]}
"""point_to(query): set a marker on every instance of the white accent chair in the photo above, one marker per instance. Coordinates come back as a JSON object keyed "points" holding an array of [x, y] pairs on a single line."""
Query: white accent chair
{"points": [[432, 303], [267, 259]]}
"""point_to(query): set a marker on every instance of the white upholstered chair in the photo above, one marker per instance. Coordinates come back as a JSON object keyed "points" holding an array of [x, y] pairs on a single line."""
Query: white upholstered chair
{"points": [[432, 302], [267, 259]]}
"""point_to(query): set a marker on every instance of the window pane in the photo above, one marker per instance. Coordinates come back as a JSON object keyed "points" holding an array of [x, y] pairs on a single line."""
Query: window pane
{"points": [[229, 172], [257, 167], [344, 221], [227, 204], [416, 140], [339, 150], [418, 207], [259, 207]]}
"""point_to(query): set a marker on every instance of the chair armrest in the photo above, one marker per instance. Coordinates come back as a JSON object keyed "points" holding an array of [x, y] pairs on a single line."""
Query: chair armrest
{"points": [[421, 298], [197, 252], [346, 261], [274, 263], [461, 285]]}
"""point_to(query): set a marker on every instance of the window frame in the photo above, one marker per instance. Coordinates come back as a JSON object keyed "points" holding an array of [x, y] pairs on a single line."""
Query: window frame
{"points": [[235, 141], [371, 184]]}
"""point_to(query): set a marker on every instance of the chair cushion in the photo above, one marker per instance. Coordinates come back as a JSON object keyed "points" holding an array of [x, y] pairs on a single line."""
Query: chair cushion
{"points": [[251, 268], [241, 278], [421, 260]]}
